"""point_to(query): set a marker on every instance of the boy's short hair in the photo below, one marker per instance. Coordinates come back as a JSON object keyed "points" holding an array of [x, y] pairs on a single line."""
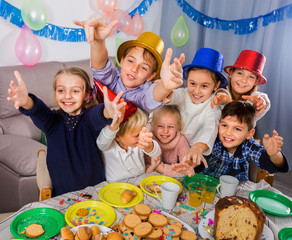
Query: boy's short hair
{"points": [[137, 120], [243, 111]]}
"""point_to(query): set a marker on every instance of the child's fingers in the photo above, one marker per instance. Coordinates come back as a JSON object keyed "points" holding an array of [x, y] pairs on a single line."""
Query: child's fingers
{"points": [[247, 97], [260, 112], [118, 97], [78, 23], [181, 58], [168, 56], [18, 78], [275, 133], [112, 24]]}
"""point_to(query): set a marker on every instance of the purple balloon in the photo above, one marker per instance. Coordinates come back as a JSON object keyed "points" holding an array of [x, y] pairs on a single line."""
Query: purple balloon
{"points": [[27, 47]]}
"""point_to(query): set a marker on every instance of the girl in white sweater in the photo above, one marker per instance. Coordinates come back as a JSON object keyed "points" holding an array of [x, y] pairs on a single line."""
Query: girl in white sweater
{"points": [[200, 121]]}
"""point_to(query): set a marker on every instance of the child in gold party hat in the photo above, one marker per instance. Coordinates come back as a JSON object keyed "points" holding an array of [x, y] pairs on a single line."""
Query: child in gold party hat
{"points": [[140, 62]]}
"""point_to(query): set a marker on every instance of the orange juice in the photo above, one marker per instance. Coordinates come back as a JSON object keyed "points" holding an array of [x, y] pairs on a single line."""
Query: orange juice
{"points": [[195, 199], [208, 197]]}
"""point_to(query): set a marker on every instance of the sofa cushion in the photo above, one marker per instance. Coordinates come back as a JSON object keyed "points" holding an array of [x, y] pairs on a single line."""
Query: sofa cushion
{"points": [[38, 79], [19, 154]]}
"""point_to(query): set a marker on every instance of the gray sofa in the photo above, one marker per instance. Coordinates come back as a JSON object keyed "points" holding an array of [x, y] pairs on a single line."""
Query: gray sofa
{"points": [[19, 138]]}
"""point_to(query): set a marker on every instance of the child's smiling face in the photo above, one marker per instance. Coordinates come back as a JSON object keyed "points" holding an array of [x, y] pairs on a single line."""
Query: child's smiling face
{"points": [[232, 133], [70, 93], [242, 81], [135, 69], [200, 85], [166, 128]]}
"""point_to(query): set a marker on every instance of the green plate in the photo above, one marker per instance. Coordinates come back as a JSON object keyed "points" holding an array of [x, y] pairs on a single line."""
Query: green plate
{"points": [[271, 202], [285, 234], [51, 220], [198, 176]]}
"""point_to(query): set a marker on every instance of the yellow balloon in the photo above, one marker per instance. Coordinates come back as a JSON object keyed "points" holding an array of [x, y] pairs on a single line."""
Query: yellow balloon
{"points": [[180, 32]]}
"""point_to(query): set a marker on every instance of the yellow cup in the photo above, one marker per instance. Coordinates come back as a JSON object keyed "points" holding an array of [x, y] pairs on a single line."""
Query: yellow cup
{"points": [[195, 194], [208, 190]]}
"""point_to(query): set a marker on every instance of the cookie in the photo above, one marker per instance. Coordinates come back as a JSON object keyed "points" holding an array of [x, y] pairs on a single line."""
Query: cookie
{"points": [[82, 212], [172, 230], [143, 229], [171, 220], [142, 209], [151, 188], [129, 235], [167, 237], [123, 227], [131, 220], [157, 220], [34, 231], [143, 217], [187, 235], [155, 234]]}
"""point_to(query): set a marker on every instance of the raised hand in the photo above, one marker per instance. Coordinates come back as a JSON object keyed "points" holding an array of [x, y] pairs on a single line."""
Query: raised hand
{"points": [[145, 141], [18, 93], [171, 75], [220, 98], [258, 102], [185, 168], [273, 144], [195, 155], [113, 109], [95, 29]]}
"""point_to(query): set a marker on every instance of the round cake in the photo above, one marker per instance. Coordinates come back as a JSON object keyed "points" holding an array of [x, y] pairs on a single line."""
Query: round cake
{"points": [[238, 218]]}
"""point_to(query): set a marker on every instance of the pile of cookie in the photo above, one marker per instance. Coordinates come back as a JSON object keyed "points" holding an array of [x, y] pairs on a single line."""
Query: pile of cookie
{"points": [[144, 224]]}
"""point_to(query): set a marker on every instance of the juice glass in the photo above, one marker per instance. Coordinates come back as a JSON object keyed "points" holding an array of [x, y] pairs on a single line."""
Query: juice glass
{"points": [[208, 190], [195, 193]]}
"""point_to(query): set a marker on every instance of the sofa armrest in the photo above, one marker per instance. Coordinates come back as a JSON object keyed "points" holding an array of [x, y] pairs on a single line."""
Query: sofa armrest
{"points": [[19, 154]]}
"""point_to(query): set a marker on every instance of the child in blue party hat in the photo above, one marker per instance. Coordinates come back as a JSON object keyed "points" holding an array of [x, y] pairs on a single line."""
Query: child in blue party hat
{"points": [[200, 122]]}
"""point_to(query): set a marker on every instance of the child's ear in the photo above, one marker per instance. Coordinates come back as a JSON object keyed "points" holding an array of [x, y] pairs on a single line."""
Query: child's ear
{"points": [[217, 85], [250, 134], [151, 77]]}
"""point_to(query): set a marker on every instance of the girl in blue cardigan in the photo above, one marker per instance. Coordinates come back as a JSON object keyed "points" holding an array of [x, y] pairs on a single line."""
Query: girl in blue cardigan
{"points": [[73, 159]]}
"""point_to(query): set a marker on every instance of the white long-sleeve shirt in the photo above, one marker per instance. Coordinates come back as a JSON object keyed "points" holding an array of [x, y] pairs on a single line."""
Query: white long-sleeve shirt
{"points": [[200, 121], [119, 163]]}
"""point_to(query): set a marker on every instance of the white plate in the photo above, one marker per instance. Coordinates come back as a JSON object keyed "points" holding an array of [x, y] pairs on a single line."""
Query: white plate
{"points": [[103, 229], [267, 232], [188, 227]]}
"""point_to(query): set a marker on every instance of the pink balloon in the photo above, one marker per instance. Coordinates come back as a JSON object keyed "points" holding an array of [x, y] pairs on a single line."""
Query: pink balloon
{"points": [[107, 5], [27, 47], [107, 18], [137, 25], [125, 20]]}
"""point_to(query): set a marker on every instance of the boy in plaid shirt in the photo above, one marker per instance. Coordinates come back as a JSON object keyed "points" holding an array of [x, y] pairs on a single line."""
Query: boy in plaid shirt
{"points": [[235, 147]]}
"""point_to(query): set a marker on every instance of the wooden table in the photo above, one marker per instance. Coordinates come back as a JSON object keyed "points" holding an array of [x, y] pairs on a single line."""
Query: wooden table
{"points": [[63, 202]]}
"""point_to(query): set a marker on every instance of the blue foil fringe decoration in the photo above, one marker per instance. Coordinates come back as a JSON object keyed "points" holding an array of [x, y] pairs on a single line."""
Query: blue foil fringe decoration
{"points": [[58, 33], [241, 26]]}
